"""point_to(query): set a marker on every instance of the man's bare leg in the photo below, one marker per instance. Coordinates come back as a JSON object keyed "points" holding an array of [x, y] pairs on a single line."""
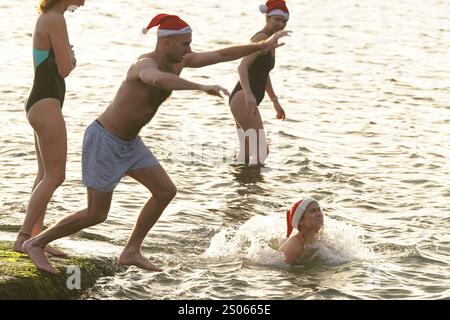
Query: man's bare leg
{"points": [[163, 191], [97, 211]]}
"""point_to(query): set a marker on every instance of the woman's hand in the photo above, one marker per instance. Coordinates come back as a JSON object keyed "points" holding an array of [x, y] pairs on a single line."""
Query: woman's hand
{"points": [[280, 111], [74, 60], [250, 103]]}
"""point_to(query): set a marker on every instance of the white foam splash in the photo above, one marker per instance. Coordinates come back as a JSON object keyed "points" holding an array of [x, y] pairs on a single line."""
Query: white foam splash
{"points": [[340, 242], [258, 240]]}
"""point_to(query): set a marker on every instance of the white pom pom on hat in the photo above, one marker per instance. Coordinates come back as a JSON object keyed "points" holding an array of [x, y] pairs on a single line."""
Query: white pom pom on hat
{"points": [[263, 8]]}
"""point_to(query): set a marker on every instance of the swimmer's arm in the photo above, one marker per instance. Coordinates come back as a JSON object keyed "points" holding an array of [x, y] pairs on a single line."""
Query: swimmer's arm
{"points": [[270, 91], [59, 40], [197, 60], [259, 45], [292, 249], [148, 73], [281, 114]]}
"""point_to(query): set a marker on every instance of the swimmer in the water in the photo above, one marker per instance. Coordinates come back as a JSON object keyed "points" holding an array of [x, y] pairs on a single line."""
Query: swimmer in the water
{"points": [[305, 216], [254, 81]]}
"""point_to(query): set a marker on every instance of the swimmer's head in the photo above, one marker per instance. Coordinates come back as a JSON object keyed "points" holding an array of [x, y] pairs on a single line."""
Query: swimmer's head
{"points": [[312, 218], [174, 36], [45, 5], [305, 213], [275, 10], [277, 14]]}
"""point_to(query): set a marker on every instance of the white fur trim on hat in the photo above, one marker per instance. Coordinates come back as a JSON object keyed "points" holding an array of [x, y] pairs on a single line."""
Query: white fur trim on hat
{"points": [[301, 210], [278, 12], [263, 8], [166, 32]]}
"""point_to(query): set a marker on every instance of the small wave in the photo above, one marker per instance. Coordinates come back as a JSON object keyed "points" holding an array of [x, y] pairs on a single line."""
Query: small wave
{"points": [[415, 181], [395, 250], [423, 99], [310, 69], [322, 86]]}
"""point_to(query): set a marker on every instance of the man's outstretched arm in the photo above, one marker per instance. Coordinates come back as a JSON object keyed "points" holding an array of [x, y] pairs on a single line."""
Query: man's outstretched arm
{"points": [[148, 73], [197, 60]]}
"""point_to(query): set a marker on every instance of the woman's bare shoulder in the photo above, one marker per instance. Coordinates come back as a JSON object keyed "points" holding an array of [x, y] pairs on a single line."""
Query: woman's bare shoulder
{"points": [[293, 243], [292, 248], [259, 36], [52, 19]]}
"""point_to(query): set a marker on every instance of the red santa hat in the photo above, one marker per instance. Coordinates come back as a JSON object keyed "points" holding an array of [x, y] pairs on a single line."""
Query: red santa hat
{"points": [[169, 25], [275, 7], [295, 214]]}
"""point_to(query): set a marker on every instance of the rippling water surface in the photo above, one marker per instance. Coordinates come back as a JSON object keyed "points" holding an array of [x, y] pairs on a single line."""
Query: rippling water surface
{"points": [[366, 89]]}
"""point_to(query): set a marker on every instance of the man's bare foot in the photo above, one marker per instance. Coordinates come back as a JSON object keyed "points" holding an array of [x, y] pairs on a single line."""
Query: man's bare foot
{"points": [[37, 255], [53, 252], [136, 259]]}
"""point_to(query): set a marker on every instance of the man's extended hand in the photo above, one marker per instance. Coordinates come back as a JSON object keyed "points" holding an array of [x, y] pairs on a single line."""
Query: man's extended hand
{"points": [[272, 42], [215, 90]]}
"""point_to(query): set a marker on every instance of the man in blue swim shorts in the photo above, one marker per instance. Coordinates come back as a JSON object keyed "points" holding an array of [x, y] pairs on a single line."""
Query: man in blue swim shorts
{"points": [[112, 147]]}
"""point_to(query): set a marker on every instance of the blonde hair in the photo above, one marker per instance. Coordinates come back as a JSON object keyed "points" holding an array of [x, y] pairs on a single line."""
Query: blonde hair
{"points": [[44, 5]]}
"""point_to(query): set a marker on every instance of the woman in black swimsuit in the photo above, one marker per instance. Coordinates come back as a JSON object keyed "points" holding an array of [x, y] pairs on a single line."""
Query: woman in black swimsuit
{"points": [[254, 81], [54, 60]]}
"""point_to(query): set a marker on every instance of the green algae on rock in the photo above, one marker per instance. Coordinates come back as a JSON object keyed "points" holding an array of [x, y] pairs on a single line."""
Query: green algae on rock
{"points": [[19, 278]]}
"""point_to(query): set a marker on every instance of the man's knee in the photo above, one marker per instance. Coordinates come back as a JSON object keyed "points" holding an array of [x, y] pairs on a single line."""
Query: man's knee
{"points": [[95, 218], [167, 193]]}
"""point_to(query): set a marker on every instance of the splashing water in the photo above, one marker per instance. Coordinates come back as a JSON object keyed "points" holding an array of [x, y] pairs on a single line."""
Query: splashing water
{"points": [[259, 238], [340, 242]]}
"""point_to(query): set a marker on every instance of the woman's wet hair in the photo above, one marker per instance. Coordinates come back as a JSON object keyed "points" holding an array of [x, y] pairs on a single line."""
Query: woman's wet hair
{"points": [[45, 5]]}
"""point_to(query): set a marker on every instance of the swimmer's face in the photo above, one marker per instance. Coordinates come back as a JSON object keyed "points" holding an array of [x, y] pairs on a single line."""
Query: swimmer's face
{"points": [[312, 217], [277, 23], [178, 46]]}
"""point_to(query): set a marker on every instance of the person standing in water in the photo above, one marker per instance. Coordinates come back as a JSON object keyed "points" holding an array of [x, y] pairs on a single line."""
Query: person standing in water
{"points": [[54, 60], [305, 216], [112, 147], [254, 81]]}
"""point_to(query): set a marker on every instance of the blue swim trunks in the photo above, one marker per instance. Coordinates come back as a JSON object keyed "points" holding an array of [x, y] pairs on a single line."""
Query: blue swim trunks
{"points": [[106, 158]]}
